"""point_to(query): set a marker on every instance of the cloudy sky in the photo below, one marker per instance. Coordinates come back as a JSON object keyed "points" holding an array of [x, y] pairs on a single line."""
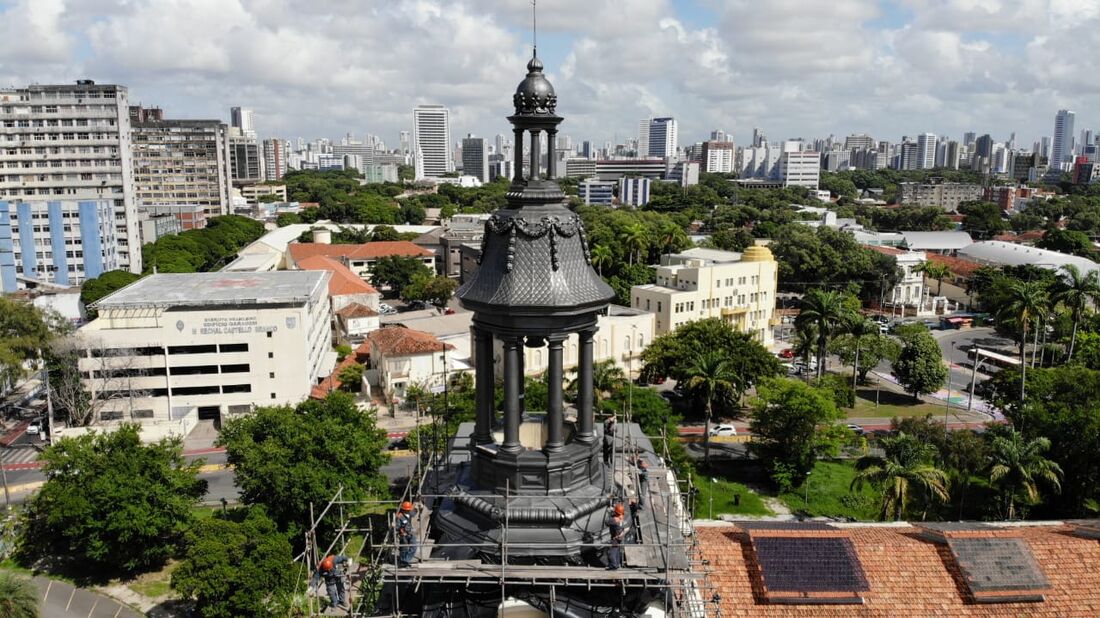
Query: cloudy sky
{"points": [[795, 68]]}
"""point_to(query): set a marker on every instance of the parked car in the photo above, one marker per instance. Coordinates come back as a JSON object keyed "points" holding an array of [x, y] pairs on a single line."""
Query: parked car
{"points": [[418, 305], [723, 430], [386, 309], [449, 311], [786, 353], [35, 427], [859, 431]]}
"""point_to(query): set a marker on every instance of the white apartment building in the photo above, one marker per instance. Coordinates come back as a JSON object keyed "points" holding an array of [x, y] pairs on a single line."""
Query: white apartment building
{"points": [[706, 283], [432, 141], [800, 169], [926, 151], [72, 142], [60, 242], [171, 349], [244, 119], [718, 157], [182, 162], [909, 291]]}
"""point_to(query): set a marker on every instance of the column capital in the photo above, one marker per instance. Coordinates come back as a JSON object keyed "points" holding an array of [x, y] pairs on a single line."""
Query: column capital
{"points": [[556, 339]]}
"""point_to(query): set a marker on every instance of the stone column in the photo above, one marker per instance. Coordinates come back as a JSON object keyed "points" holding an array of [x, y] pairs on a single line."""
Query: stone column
{"points": [[513, 379], [536, 153], [555, 416], [483, 428], [585, 415], [517, 155], [551, 153]]}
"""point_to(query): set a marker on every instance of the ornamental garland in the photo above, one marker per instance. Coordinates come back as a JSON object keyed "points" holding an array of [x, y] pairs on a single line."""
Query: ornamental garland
{"points": [[533, 230]]}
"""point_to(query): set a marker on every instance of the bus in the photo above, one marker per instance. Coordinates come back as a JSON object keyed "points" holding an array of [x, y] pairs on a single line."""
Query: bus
{"points": [[989, 358]]}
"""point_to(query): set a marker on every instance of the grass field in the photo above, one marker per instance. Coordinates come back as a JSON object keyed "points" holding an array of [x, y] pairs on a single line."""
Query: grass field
{"points": [[890, 404], [829, 494], [716, 498]]}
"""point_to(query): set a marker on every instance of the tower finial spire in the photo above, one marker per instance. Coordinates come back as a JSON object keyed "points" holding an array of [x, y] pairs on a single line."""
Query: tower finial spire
{"points": [[534, 29]]}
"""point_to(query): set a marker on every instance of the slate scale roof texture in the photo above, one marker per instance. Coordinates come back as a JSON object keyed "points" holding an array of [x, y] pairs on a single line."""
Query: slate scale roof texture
{"points": [[911, 575]]}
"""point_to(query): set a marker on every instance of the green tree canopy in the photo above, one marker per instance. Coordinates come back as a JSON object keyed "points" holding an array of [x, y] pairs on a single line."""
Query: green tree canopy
{"points": [[398, 271], [107, 283], [111, 502], [23, 333], [824, 257], [793, 424], [18, 596], [204, 249], [906, 463], [983, 220], [436, 290], [920, 368], [236, 566], [287, 457]]}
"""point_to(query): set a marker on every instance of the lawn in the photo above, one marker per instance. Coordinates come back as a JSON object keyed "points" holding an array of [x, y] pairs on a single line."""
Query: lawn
{"points": [[156, 584], [829, 494], [715, 498], [891, 404]]}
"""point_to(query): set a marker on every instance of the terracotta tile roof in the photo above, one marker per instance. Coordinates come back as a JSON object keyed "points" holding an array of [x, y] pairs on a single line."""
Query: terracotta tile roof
{"points": [[343, 280], [400, 341], [356, 310], [365, 251], [911, 575], [331, 383], [1028, 236], [958, 266]]}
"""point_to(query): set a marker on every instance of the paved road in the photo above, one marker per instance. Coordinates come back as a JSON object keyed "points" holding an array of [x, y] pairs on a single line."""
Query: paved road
{"points": [[61, 600]]}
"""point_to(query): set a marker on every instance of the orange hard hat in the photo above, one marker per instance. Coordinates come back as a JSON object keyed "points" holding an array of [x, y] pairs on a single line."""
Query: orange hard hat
{"points": [[406, 506], [327, 563], [619, 509]]}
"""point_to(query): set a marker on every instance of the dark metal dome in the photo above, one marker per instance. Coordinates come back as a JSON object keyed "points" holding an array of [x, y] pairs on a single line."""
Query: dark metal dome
{"points": [[535, 95]]}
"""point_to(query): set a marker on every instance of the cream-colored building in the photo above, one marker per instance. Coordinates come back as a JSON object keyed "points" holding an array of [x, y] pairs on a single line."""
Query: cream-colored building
{"points": [[707, 283], [622, 334], [171, 349]]}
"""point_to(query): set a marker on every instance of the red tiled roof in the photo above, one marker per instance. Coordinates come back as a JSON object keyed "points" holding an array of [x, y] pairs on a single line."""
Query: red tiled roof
{"points": [[399, 341], [356, 310], [1021, 237], [911, 576], [343, 280], [958, 266], [331, 383], [365, 251]]}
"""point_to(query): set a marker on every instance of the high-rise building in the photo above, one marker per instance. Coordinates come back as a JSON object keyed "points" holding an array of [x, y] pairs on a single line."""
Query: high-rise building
{"points": [[64, 242], [1086, 141], [663, 141], [72, 142], [718, 135], [859, 142], [475, 158], [908, 156], [362, 153], [968, 138], [634, 191], [406, 143], [718, 157], [926, 151], [182, 162], [1062, 151], [800, 169], [758, 138], [432, 141], [643, 137], [274, 159], [1044, 147], [243, 119], [951, 155], [246, 160]]}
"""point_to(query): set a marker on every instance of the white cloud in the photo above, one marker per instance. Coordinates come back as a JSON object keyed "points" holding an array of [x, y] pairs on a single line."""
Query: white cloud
{"points": [[792, 67]]}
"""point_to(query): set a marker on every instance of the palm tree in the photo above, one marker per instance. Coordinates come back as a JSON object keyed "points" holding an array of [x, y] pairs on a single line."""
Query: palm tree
{"points": [[934, 270], [672, 236], [1018, 465], [906, 463], [711, 372], [607, 377], [601, 255], [18, 598], [636, 239], [827, 312], [1027, 302], [1074, 291], [859, 328]]}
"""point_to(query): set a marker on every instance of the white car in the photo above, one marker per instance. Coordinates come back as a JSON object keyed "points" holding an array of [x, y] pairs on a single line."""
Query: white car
{"points": [[859, 431], [723, 430], [385, 309], [35, 427]]}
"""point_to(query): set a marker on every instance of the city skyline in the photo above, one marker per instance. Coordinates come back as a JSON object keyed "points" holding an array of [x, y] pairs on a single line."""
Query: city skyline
{"points": [[853, 66]]}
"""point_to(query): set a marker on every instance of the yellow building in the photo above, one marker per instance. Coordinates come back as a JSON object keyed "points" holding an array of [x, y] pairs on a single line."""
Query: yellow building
{"points": [[707, 283]]}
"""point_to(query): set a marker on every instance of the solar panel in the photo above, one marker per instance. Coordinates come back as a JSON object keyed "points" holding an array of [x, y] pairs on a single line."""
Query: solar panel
{"points": [[955, 526], [999, 570], [784, 525], [810, 569]]}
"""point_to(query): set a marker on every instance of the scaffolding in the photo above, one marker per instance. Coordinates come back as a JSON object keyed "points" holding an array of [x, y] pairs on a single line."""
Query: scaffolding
{"points": [[664, 556]]}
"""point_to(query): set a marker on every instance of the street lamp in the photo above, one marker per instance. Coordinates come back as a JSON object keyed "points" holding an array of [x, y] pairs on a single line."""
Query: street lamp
{"points": [[947, 403]]}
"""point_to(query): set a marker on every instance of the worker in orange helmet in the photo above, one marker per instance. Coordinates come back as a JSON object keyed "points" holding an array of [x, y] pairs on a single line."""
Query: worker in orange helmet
{"points": [[405, 534], [333, 569], [617, 529]]}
